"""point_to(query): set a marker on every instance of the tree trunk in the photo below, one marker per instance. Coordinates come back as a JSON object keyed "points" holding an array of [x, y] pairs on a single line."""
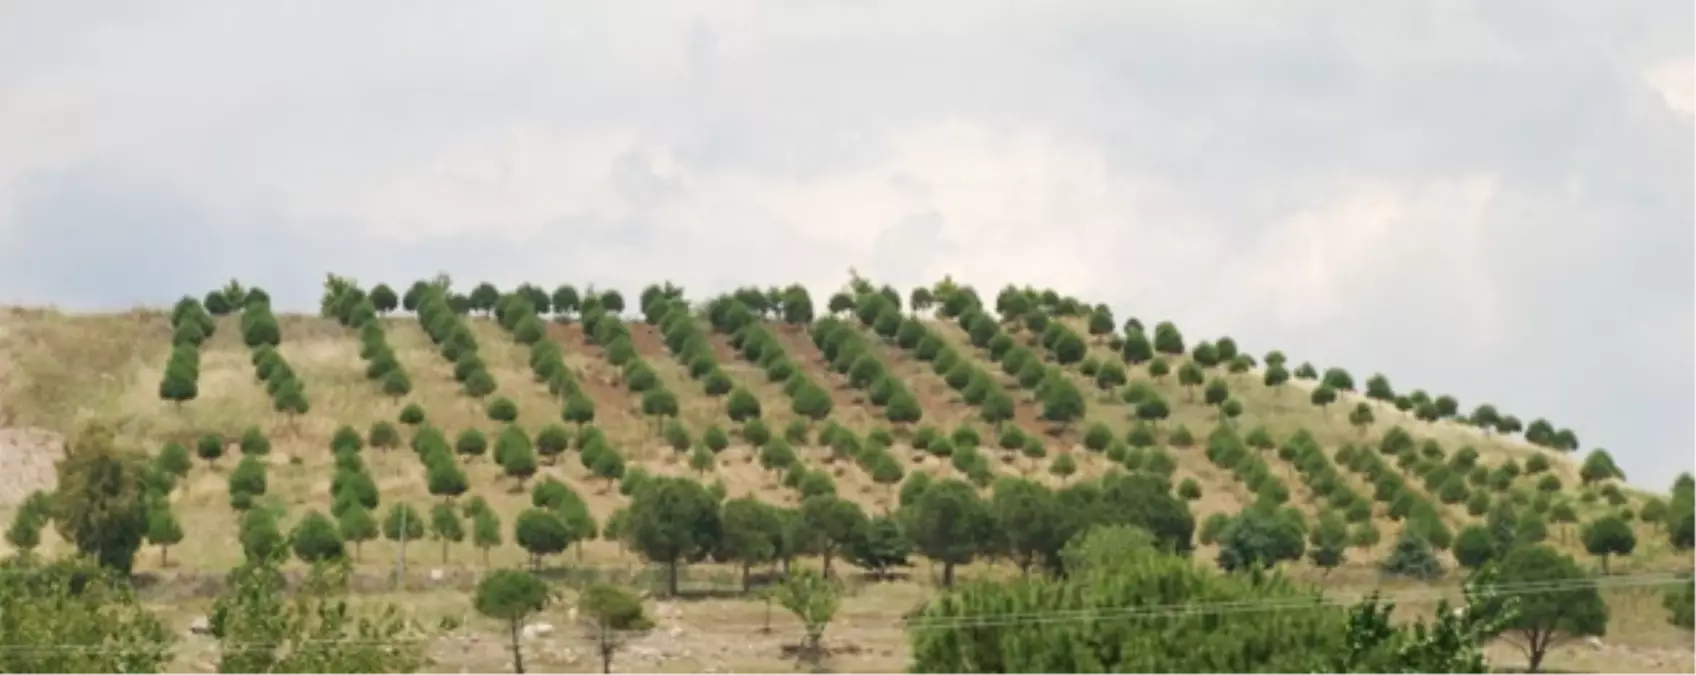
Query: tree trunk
{"points": [[745, 579], [947, 575], [607, 648], [517, 651], [671, 578], [164, 557], [827, 556], [356, 551]]}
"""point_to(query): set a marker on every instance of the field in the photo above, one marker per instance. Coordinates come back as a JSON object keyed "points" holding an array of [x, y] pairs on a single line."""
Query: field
{"points": [[59, 371]]}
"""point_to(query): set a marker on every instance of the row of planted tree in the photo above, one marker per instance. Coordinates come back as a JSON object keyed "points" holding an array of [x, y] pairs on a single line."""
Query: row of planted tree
{"points": [[1032, 309], [850, 354], [674, 521]]}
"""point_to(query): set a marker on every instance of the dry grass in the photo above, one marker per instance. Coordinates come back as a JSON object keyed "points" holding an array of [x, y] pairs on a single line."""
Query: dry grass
{"points": [[62, 370]]}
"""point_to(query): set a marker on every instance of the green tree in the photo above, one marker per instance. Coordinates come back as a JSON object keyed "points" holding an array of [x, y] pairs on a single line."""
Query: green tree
{"points": [[813, 599], [1063, 466], [180, 383], [1598, 466], [812, 402], [249, 479], [541, 533], [357, 525], [1029, 522], [1474, 547], [1190, 375], [502, 410], [24, 534], [1412, 557], [163, 530], [446, 527], [209, 447], [485, 532], [445, 479], [882, 546], [1328, 543], [1323, 396], [673, 521], [173, 459], [402, 524], [949, 524], [836, 521], [512, 596], [610, 615], [254, 442], [702, 460], [977, 628], [71, 616], [751, 529], [742, 406], [316, 538], [260, 538], [100, 505], [1361, 417], [1258, 538], [579, 409], [1609, 536], [1569, 608], [517, 459]]}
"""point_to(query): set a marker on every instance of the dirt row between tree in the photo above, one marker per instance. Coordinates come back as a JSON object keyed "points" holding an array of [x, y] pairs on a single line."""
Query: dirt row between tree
{"points": [[613, 403], [1025, 411], [775, 406], [810, 359]]}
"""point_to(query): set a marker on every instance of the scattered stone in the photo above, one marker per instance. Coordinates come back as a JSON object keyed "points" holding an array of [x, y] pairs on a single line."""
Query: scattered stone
{"points": [[1594, 643], [675, 632], [200, 626], [437, 575], [536, 630]]}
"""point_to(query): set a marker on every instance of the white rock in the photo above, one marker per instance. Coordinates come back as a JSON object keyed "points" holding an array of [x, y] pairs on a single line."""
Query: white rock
{"points": [[1594, 642], [571, 615], [676, 632], [436, 574], [201, 626], [536, 630]]}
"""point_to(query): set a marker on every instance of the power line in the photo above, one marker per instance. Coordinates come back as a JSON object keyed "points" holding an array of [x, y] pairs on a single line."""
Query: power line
{"points": [[989, 621]]}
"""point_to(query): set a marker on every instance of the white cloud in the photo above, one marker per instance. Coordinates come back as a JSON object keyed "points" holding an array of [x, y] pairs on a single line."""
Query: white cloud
{"points": [[1455, 193], [1673, 80]]}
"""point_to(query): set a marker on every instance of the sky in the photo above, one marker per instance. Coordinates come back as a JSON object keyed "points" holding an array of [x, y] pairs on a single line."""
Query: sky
{"points": [[1491, 200]]}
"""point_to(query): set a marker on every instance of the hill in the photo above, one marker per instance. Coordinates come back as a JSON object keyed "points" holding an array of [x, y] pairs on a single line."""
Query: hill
{"points": [[874, 388]]}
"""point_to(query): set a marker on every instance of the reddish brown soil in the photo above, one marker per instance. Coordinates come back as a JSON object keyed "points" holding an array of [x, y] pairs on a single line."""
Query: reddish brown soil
{"points": [[648, 341], [935, 396], [809, 359], [771, 395], [1025, 411], [612, 400]]}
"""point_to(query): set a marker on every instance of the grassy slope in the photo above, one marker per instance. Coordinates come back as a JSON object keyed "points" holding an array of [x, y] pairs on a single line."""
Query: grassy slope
{"points": [[67, 369]]}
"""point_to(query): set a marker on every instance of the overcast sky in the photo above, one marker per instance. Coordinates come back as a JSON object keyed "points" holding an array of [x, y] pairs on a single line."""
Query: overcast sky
{"points": [[1487, 199]]}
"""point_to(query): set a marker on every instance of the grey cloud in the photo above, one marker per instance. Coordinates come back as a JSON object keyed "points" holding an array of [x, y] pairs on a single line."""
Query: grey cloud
{"points": [[122, 161]]}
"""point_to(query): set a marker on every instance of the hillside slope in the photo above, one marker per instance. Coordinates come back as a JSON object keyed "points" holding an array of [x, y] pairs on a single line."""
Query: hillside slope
{"points": [[64, 370]]}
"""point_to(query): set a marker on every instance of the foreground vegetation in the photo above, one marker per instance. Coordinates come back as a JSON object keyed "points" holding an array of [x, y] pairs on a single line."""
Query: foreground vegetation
{"points": [[1040, 437]]}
